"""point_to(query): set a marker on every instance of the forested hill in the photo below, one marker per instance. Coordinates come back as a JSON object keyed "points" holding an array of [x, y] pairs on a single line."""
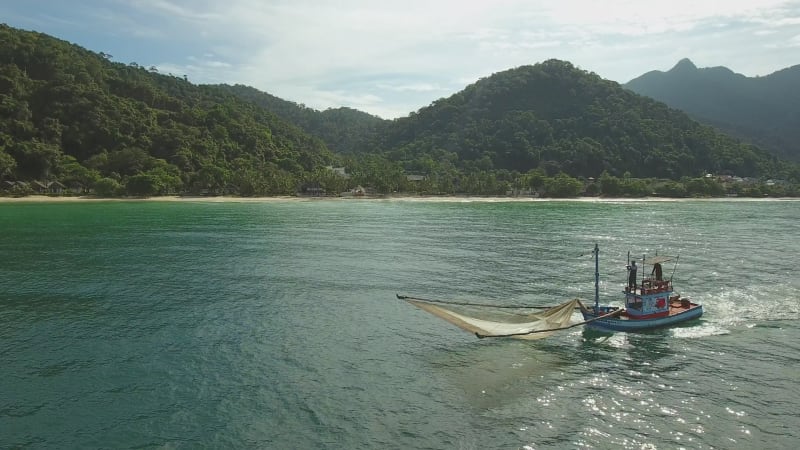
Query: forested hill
{"points": [[762, 110], [342, 129], [73, 116], [555, 116], [70, 114]]}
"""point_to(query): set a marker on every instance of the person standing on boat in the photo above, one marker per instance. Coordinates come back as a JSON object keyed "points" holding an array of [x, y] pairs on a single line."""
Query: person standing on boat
{"points": [[632, 274], [658, 272]]}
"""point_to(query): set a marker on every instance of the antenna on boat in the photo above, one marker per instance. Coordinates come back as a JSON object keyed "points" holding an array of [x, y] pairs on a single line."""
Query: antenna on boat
{"points": [[596, 278]]}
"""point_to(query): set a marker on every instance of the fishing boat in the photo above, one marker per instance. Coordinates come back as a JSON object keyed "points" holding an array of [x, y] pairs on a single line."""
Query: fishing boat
{"points": [[650, 301]]}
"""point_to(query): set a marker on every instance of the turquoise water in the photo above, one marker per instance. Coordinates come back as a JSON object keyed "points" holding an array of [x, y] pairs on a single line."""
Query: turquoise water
{"points": [[275, 325]]}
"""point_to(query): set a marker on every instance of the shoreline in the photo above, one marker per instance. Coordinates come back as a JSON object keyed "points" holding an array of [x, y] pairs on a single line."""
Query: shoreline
{"points": [[398, 198]]}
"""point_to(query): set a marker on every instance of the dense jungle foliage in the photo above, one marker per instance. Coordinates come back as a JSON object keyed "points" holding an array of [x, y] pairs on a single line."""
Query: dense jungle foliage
{"points": [[342, 129], [559, 118], [72, 116]]}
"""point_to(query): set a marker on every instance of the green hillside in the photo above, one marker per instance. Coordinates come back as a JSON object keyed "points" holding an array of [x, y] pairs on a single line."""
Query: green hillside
{"points": [[344, 130], [762, 110], [72, 115], [559, 118]]}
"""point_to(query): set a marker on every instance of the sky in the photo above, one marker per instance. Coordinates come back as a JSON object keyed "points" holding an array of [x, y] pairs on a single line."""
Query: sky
{"points": [[393, 58]]}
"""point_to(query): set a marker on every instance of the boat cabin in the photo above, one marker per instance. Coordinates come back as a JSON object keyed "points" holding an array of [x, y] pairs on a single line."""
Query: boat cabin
{"points": [[650, 297]]}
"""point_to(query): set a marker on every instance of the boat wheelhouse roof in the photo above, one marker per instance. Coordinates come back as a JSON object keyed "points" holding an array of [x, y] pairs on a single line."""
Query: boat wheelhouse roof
{"points": [[658, 259]]}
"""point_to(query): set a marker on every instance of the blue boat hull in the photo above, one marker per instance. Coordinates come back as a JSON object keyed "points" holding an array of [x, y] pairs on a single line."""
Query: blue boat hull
{"points": [[624, 322]]}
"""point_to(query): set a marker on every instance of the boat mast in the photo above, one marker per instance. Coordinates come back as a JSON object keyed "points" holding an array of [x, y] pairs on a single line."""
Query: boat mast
{"points": [[596, 278], [627, 264], [644, 258]]}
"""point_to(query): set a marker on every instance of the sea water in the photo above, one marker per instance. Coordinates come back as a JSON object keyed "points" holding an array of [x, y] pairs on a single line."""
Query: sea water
{"points": [[275, 325]]}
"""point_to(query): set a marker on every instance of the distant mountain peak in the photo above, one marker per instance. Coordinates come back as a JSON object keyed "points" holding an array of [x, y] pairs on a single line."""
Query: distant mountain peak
{"points": [[684, 65], [761, 110]]}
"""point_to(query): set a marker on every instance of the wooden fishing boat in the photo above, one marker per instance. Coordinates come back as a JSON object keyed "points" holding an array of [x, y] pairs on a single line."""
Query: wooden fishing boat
{"points": [[650, 302]]}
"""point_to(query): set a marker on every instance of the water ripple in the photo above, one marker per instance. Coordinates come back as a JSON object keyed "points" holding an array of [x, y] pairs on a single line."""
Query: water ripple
{"points": [[140, 325]]}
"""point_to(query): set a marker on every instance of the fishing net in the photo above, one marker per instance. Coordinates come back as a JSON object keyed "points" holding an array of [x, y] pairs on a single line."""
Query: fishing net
{"points": [[493, 321]]}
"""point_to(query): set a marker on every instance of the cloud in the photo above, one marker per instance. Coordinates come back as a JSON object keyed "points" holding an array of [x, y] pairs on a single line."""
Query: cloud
{"points": [[414, 87], [396, 57], [792, 42], [177, 9]]}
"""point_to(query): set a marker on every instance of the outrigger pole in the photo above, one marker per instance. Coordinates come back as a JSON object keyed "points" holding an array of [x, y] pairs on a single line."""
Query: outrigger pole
{"points": [[674, 267], [596, 278]]}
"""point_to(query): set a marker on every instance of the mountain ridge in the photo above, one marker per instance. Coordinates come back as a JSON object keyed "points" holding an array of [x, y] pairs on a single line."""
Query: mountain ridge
{"points": [[763, 110], [72, 115], [555, 114], [342, 128]]}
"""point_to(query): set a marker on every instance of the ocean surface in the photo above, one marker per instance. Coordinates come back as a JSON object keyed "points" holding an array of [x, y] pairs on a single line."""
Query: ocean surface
{"points": [[275, 325]]}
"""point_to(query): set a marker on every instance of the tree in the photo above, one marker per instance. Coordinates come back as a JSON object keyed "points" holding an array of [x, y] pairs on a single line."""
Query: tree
{"points": [[165, 177], [35, 159], [143, 185], [327, 179], [563, 185], [610, 186], [7, 164], [672, 189], [211, 178], [128, 161], [107, 187], [535, 178], [635, 187], [703, 187], [69, 170]]}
